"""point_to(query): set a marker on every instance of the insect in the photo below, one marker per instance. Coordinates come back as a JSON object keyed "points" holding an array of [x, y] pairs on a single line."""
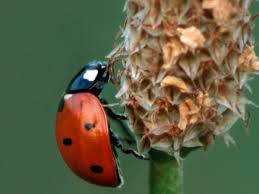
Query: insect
{"points": [[83, 135]]}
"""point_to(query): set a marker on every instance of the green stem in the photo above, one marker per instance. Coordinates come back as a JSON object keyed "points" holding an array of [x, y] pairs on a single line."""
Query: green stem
{"points": [[166, 176]]}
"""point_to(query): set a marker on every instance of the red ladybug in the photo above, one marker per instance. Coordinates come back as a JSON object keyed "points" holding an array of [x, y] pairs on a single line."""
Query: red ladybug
{"points": [[82, 129]]}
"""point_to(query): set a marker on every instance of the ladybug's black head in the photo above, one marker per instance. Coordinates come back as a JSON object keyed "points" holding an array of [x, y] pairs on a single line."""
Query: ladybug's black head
{"points": [[90, 79]]}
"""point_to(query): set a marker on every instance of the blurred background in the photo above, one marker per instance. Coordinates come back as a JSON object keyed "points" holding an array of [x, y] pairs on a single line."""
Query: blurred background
{"points": [[42, 45]]}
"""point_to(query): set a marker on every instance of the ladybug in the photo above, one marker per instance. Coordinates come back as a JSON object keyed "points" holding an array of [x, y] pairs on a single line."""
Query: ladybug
{"points": [[83, 135]]}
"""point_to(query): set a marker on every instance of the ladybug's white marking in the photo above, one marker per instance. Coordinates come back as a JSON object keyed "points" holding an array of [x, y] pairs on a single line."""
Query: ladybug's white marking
{"points": [[67, 96], [90, 74]]}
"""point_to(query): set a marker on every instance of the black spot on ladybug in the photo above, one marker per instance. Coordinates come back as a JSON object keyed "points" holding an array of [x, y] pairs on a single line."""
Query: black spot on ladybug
{"points": [[89, 126], [61, 105], [67, 141], [96, 169]]}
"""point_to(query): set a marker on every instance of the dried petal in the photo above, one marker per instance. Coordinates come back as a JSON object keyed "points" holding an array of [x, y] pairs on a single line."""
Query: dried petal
{"points": [[248, 60], [203, 99], [192, 37], [176, 82], [172, 50], [222, 10], [189, 114]]}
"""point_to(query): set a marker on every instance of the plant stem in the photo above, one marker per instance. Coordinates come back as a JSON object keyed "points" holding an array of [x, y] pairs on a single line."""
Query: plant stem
{"points": [[166, 176]]}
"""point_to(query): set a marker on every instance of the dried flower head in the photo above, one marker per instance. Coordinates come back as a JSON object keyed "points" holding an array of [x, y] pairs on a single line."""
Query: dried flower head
{"points": [[186, 70]]}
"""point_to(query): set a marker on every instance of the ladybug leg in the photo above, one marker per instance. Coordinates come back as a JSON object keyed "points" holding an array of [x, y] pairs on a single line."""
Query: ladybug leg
{"points": [[115, 115], [119, 119], [123, 139], [112, 113], [118, 142]]}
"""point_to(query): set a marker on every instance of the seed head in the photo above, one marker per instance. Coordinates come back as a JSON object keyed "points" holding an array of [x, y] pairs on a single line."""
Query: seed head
{"points": [[186, 66]]}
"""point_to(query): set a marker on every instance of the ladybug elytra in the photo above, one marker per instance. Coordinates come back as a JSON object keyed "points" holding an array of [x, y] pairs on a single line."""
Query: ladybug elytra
{"points": [[83, 135]]}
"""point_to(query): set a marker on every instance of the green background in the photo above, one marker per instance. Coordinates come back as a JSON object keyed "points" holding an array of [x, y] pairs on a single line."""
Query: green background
{"points": [[42, 45]]}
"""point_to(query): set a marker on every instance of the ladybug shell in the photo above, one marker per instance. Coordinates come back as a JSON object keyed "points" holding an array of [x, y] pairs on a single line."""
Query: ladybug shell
{"points": [[82, 135]]}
